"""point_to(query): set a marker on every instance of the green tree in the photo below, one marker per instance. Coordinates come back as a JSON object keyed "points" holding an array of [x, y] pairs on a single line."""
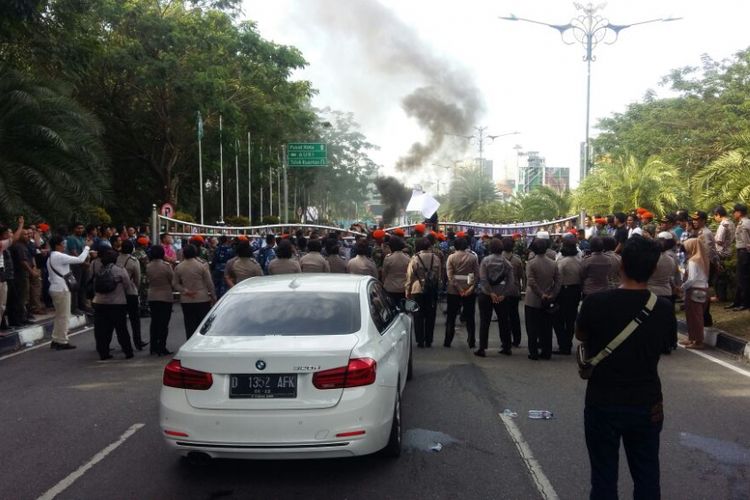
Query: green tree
{"points": [[691, 129], [727, 179], [627, 183], [469, 191], [52, 161]]}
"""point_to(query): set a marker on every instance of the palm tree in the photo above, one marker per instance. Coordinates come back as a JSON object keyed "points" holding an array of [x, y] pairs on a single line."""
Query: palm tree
{"points": [[52, 161], [624, 184], [543, 203], [727, 179], [469, 191]]}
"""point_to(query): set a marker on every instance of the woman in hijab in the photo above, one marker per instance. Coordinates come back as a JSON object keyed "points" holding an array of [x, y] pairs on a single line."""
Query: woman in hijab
{"points": [[695, 288]]}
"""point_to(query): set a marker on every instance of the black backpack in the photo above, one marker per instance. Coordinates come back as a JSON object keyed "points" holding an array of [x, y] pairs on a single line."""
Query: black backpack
{"points": [[430, 283], [105, 281]]}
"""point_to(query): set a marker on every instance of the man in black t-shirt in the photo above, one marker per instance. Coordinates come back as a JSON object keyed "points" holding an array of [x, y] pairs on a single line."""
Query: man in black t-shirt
{"points": [[623, 396], [621, 231]]}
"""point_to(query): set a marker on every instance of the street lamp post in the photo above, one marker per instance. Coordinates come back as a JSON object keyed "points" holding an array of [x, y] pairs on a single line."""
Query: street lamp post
{"points": [[588, 29], [480, 137]]}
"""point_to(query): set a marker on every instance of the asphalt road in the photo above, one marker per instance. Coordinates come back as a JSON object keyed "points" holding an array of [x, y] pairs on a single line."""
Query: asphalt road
{"points": [[61, 410]]}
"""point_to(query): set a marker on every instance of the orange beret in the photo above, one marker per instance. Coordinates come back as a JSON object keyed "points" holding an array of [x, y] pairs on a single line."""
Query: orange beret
{"points": [[43, 227], [460, 234], [441, 237], [142, 241], [600, 220], [378, 234], [640, 211], [197, 238], [242, 237], [517, 236], [420, 228], [399, 232]]}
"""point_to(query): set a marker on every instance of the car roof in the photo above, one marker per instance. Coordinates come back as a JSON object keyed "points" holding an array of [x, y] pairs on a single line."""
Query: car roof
{"points": [[307, 282]]}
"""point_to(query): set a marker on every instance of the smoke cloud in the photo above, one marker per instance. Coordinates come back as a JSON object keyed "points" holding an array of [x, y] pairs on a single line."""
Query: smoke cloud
{"points": [[394, 196], [446, 100]]}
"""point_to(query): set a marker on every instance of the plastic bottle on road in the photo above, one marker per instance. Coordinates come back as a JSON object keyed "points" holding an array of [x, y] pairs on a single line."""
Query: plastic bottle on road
{"points": [[540, 414]]}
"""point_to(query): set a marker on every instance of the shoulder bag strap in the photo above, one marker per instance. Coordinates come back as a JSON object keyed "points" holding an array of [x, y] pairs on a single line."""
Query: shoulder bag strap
{"points": [[632, 326], [49, 264]]}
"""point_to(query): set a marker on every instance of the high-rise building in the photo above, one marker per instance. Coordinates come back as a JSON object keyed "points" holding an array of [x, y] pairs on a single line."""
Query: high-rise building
{"points": [[557, 178]]}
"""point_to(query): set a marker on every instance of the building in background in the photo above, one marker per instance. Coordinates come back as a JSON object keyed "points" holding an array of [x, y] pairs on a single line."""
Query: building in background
{"points": [[557, 178], [534, 172]]}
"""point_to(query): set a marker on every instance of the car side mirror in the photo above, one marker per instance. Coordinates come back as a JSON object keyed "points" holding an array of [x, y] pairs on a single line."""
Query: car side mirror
{"points": [[409, 305]]}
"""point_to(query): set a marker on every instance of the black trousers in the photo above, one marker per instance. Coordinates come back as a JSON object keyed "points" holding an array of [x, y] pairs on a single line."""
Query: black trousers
{"points": [[539, 332], [13, 307], [486, 306], [742, 296], [467, 306], [134, 315], [424, 319], [638, 427], [161, 314], [514, 318], [193, 313], [564, 320], [17, 311], [396, 297], [108, 317]]}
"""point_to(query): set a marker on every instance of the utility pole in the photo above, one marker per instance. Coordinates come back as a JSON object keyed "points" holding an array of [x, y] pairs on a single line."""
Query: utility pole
{"points": [[221, 172], [286, 185], [249, 181], [237, 173]]}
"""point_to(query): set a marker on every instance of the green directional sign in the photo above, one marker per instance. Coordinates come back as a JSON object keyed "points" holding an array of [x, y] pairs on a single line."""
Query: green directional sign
{"points": [[306, 154]]}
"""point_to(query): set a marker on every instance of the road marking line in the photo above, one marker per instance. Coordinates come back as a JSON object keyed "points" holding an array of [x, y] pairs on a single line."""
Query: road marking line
{"points": [[68, 481], [43, 344], [719, 361], [540, 480]]}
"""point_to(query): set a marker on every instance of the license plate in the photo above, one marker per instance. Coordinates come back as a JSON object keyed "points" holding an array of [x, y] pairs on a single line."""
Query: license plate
{"points": [[271, 386]]}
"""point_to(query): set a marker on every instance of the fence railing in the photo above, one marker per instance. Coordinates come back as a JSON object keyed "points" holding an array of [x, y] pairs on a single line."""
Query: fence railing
{"points": [[162, 224]]}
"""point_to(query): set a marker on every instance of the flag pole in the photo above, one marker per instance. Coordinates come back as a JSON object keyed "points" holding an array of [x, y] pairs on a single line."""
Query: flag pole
{"points": [[249, 182], [221, 172], [237, 173], [270, 182], [200, 162], [260, 178]]}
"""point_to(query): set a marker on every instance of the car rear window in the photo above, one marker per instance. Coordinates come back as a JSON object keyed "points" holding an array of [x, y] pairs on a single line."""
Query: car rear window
{"points": [[284, 313]]}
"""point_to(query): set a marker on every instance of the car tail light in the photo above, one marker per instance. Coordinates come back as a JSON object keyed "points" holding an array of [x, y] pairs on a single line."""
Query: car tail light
{"points": [[359, 372], [175, 375]]}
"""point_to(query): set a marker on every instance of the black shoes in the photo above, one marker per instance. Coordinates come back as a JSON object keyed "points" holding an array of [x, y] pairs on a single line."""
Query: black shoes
{"points": [[533, 357], [561, 352], [106, 357], [55, 346], [129, 355], [507, 352], [480, 353]]}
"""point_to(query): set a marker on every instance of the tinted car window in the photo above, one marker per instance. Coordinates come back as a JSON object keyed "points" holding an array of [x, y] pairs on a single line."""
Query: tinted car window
{"points": [[285, 313], [380, 309]]}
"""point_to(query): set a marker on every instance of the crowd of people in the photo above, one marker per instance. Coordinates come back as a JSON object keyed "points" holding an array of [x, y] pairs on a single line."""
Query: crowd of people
{"points": [[551, 274]]}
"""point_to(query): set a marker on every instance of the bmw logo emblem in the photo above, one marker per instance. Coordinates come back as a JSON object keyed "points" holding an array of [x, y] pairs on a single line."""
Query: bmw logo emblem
{"points": [[260, 364]]}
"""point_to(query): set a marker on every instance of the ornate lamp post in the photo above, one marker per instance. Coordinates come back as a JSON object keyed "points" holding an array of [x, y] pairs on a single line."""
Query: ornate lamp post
{"points": [[588, 29]]}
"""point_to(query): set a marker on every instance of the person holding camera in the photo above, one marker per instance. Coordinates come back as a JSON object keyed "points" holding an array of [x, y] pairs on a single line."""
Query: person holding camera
{"points": [[62, 284]]}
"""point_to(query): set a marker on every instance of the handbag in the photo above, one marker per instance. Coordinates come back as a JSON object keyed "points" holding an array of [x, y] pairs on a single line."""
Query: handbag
{"points": [[69, 278], [586, 365]]}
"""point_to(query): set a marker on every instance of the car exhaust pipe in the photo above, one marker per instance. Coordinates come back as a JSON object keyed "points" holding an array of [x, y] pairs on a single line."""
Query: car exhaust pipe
{"points": [[198, 458]]}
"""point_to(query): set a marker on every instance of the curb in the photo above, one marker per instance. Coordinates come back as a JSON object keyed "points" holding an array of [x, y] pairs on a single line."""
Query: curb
{"points": [[14, 340], [721, 340]]}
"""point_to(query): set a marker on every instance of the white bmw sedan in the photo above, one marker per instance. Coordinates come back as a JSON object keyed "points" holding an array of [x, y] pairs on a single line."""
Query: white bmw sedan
{"points": [[291, 366]]}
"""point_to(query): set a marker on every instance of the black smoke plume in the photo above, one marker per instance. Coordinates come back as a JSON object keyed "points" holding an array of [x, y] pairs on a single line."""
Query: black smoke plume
{"points": [[446, 100], [394, 195]]}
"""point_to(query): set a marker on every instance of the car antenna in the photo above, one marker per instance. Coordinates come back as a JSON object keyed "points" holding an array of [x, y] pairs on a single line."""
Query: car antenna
{"points": [[294, 284]]}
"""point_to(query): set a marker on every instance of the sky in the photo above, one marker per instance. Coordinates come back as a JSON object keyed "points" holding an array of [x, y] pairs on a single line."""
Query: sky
{"points": [[367, 56]]}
